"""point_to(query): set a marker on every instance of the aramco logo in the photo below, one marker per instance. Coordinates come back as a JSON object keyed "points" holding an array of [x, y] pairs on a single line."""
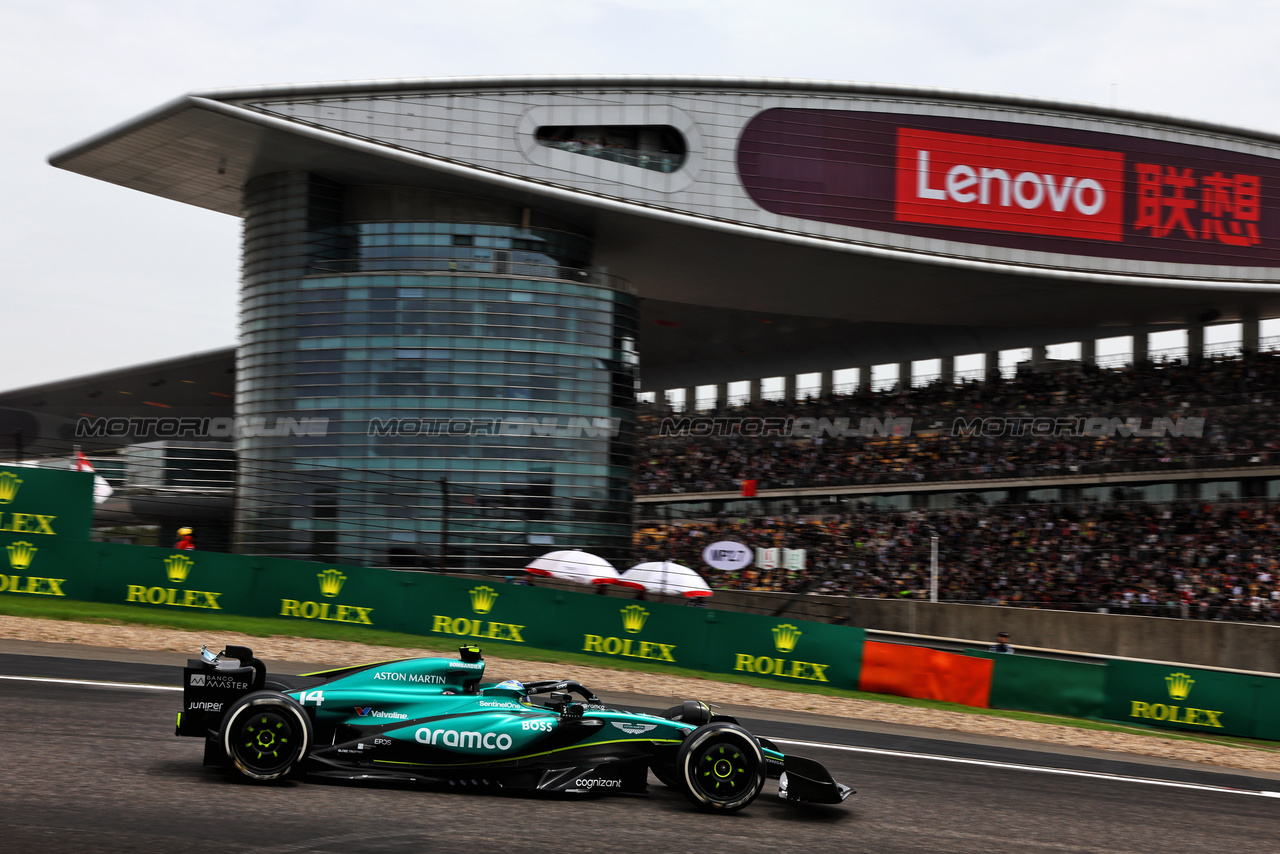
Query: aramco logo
{"points": [[20, 555], [9, 483], [331, 582], [482, 599], [1179, 685], [633, 617], [785, 637], [178, 567]]}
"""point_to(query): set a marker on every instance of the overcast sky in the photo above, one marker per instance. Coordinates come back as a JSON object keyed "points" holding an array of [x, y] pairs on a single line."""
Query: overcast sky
{"points": [[96, 276]]}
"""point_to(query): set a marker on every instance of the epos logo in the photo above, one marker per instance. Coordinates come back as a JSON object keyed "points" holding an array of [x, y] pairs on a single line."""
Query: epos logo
{"points": [[1007, 185]]}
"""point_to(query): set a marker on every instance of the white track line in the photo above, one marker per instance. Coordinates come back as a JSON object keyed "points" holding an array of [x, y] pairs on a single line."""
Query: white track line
{"points": [[93, 684], [1096, 775]]}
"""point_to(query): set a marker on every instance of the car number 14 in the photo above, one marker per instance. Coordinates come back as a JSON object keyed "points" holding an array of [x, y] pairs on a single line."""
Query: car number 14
{"points": [[316, 697]]}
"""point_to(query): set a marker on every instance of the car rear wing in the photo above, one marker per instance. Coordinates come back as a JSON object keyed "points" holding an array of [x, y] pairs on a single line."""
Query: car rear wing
{"points": [[211, 683]]}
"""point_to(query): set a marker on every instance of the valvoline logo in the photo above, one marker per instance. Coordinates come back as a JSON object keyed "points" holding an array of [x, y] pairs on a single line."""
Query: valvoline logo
{"points": [[1008, 185]]}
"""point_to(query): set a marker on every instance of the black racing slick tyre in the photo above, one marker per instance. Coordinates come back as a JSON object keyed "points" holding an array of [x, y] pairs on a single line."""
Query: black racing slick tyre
{"points": [[265, 735], [721, 767]]}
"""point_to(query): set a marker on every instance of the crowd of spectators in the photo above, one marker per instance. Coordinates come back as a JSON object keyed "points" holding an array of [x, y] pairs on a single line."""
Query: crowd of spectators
{"points": [[1235, 397], [1189, 560]]}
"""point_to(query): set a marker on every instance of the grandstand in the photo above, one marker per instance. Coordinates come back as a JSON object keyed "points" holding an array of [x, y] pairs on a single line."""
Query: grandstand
{"points": [[430, 262]]}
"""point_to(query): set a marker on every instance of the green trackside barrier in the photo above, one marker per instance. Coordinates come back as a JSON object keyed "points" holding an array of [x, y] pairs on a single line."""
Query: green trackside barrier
{"points": [[44, 517], [797, 651], [469, 611], [1267, 722], [1031, 684], [1189, 698], [655, 632]]}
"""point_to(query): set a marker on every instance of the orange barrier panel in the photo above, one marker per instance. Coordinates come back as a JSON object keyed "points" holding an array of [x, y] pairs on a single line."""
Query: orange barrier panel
{"points": [[927, 674]]}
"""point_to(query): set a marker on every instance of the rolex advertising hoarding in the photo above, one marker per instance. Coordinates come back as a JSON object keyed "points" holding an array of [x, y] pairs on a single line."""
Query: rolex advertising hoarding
{"points": [[44, 515], [1188, 698], [795, 651]]}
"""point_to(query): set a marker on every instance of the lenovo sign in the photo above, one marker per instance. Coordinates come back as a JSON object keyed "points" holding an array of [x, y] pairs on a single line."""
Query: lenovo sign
{"points": [[982, 182], [1048, 187]]}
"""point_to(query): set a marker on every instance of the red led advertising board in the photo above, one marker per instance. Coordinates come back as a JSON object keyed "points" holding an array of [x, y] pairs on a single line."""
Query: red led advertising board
{"points": [[1032, 187]]}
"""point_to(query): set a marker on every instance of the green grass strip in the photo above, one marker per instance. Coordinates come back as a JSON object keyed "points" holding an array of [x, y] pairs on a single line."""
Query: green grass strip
{"points": [[110, 614]]}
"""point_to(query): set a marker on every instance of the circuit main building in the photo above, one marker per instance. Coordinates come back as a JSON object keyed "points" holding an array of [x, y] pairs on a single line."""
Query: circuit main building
{"points": [[511, 251]]}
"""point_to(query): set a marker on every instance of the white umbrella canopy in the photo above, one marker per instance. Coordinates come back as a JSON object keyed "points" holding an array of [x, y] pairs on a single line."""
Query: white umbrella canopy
{"points": [[575, 565], [667, 577]]}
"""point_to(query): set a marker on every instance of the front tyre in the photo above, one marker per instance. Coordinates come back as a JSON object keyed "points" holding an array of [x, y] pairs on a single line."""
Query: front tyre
{"points": [[265, 735], [721, 767]]}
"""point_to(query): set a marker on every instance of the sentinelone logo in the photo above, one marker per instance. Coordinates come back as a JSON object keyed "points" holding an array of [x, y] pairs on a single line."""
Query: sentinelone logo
{"points": [[1009, 185], [214, 428]]}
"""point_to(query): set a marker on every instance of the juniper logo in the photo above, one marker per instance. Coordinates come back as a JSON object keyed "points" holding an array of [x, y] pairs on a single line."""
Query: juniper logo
{"points": [[1179, 685], [482, 599], [785, 637], [330, 582], [21, 554], [178, 567], [9, 483], [633, 617]]}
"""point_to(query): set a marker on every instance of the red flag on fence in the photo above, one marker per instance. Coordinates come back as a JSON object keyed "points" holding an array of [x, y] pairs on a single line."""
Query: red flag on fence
{"points": [[749, 488], [101, 489]]}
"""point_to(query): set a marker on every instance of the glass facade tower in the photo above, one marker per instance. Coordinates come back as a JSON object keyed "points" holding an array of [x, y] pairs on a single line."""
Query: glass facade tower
{"points": [[464, 380]]}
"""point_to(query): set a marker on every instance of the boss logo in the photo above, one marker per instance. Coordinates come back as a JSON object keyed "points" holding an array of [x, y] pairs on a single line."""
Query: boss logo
{"points": [[538, 725]]}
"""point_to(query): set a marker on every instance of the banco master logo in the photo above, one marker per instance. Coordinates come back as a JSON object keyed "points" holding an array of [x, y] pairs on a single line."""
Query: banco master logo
{"points": [[330, 582], [178, 567], [1179, 685], [482, 599], [785, 637], [633, 617], [21, 554], [9, 483], [217, 680]]}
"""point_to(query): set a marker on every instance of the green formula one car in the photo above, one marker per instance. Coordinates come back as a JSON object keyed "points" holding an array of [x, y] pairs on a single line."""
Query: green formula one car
{"points": [[435, 720]]}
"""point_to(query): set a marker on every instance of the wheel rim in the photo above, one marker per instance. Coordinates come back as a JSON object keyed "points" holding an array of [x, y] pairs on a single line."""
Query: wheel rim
{"points": [[265, 741], [723, 772]]}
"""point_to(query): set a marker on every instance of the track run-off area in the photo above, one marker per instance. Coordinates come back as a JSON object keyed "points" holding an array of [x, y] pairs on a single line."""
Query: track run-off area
{"points": [[92, 765]]}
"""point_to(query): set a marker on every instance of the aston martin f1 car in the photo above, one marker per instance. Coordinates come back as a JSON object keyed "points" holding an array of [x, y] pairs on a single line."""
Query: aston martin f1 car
{"points": [[434, 720]]}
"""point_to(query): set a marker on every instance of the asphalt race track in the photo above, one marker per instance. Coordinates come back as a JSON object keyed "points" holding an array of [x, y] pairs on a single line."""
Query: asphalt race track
{"points": [[96, 768]]}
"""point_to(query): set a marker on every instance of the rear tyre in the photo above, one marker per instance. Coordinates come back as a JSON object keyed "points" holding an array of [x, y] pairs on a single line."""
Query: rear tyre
{"points": [[721, 767], [265, 735]]}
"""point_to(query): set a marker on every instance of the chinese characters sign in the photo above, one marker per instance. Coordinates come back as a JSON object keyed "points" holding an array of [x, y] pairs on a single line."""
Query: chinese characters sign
{"points": [[1208, 206]]}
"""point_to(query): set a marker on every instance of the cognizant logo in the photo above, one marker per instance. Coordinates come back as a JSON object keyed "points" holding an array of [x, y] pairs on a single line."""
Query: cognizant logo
{"points": [[454, 738], [588, 783]]}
